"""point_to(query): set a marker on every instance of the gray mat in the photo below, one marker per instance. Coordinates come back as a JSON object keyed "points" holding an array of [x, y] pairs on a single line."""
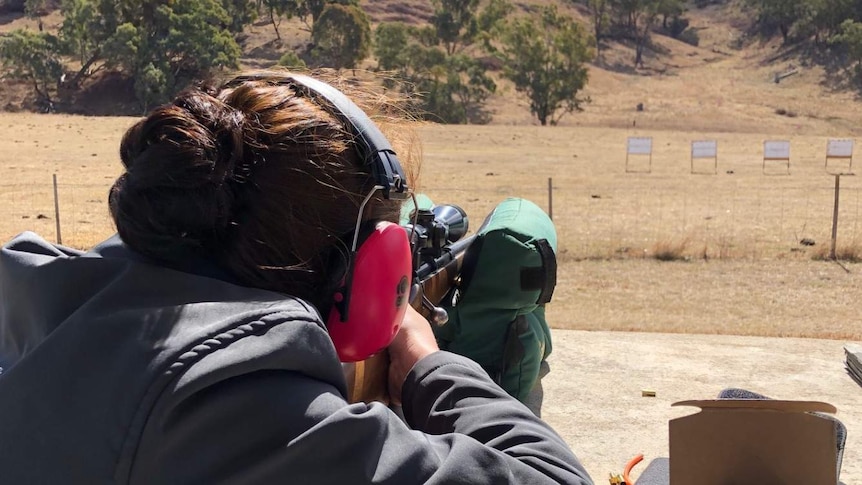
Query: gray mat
{"points": [[656, 473]]}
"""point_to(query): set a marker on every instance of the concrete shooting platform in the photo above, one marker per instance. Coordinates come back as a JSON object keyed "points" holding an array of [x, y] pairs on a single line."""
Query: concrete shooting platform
{"points": [[593, 394]]}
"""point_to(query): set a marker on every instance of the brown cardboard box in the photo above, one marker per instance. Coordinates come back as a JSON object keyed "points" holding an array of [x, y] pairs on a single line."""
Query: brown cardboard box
{"points": [[763, 442]]}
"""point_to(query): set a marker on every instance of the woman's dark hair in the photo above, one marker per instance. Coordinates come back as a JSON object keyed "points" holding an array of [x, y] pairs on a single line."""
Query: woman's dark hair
{"points": [[263, 181]]}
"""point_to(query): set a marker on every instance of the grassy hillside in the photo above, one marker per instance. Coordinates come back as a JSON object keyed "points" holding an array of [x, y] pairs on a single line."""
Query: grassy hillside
{"points": [[724, 84]]}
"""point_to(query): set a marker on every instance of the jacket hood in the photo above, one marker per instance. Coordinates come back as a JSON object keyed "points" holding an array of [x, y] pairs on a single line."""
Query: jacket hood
{"points": [[43, 284], [99, 346], [30, 280]]}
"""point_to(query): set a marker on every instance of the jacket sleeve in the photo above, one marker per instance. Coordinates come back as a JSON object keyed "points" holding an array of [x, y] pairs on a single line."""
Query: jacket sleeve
{"points": [[452, 399], [275, 426]]}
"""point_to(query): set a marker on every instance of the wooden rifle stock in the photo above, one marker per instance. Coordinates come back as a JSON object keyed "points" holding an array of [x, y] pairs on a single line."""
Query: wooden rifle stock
{"points": [[367, 380]]}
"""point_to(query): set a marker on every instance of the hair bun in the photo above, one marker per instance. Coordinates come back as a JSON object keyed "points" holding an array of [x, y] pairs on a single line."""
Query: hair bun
{"points": [[178, 160]]}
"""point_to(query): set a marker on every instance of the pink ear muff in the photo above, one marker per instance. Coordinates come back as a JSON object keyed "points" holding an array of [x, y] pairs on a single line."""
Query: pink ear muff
{"points": [[374, 296]]}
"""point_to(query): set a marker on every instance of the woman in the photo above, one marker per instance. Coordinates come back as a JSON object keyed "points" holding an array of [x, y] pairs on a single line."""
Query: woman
{"points": [[191, 348]]}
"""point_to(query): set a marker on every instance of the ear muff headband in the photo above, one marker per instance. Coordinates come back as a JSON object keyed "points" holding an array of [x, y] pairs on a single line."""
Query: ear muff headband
{"points": [[385, 166], [375, 149]]}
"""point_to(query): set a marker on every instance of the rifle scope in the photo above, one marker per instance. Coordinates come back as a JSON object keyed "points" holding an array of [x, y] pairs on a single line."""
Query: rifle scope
{"points": [[434, 231], [437, 239]]}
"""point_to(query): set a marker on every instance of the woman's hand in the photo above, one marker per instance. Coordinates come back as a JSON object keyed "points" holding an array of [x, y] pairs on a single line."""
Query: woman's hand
{"points": [[414, 341]]}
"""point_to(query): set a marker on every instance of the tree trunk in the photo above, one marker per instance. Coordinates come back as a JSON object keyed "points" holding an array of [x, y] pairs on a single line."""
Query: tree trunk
{"points": [[43, 97], [597, 24], [274, 24], [598, 17], [542, 114], [639, 51], [82, 73]]}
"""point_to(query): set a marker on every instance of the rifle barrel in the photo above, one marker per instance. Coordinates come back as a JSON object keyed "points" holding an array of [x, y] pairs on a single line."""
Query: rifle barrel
{"points": [[450, 254]]}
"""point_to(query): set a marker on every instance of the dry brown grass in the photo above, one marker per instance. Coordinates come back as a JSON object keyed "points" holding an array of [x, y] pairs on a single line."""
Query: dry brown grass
{"points": [[83, 152], [744, 270], [748, 274], [851, 253]]}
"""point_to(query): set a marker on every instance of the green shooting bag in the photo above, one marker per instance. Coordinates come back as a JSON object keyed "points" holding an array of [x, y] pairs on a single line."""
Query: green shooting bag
{"points": [[496, 314]]}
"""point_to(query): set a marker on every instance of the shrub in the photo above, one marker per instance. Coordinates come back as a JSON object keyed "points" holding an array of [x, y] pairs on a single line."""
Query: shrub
{"points": [[690, 37], [677, 26], [670, 250], [291, 60]]}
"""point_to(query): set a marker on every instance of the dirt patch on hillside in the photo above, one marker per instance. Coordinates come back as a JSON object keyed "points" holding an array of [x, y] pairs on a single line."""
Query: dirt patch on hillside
{"points": [[410, 12]]}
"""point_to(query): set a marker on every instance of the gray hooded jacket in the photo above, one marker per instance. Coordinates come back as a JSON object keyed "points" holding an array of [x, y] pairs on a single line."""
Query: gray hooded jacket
{"points": [[116, 370]]}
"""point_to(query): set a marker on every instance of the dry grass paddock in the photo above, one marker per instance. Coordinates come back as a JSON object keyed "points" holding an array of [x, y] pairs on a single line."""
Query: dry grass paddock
{"points": [[733, 237]]}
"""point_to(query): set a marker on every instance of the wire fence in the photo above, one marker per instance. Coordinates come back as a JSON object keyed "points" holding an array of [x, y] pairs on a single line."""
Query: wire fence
{"points": [[78, 217], [703, 217], [706, 217]]}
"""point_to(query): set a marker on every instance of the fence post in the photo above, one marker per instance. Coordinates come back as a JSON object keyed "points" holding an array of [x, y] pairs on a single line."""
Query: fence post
{"points": [[835, 217], [551, 198], [57, 211]]}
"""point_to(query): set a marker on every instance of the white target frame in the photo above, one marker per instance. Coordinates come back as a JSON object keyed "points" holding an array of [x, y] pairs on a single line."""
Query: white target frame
{"points": [[840, 149], [778, 151], [704, 150], [639, 146]]}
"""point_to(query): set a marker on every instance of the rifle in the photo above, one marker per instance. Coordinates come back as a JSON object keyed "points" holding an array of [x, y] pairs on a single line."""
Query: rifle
{"points": [[438, 245]]}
